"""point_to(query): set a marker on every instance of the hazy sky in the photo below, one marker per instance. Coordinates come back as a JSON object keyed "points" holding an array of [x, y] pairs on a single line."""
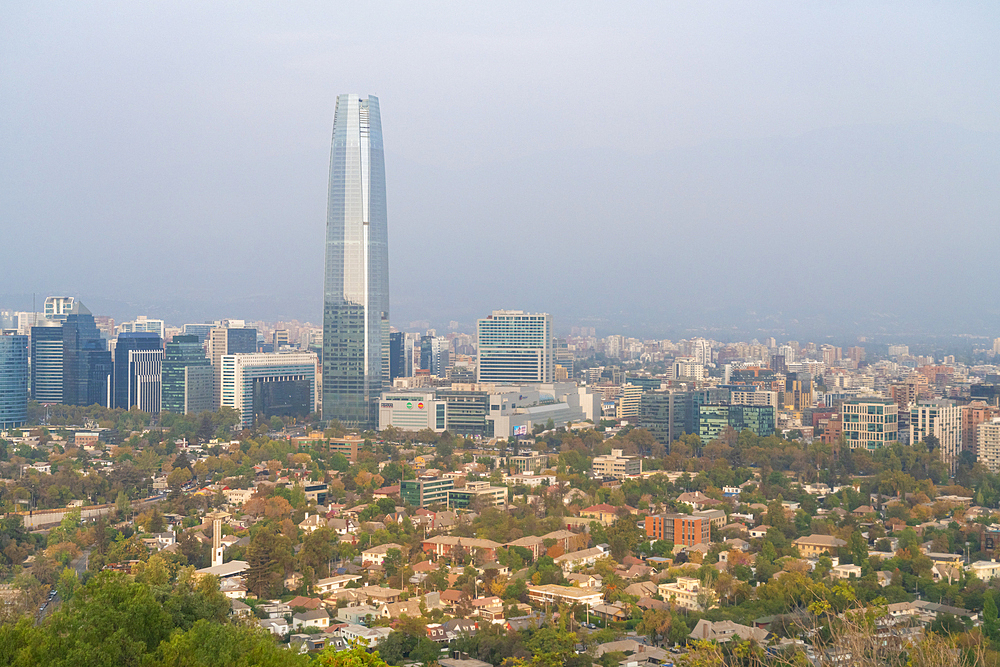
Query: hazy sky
{"points": [[656, 166]]}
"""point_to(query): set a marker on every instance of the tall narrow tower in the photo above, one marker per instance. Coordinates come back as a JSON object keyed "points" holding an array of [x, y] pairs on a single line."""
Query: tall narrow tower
{"points": [[356, 291]]}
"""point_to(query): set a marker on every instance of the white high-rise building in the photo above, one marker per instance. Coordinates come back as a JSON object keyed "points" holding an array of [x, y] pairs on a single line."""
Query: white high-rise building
{"points": [[269, 384], [515, 347], [942, 419], [145, 383], [143, 323], [58, 307]]}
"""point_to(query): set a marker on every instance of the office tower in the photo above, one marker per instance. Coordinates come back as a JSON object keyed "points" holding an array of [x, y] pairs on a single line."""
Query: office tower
{"points": [[13, 379], [230, 337], [87, 364], [515, 347], [58, 307], [869, 423], [143, 323], [434, 355], [563, 358], [397, 356], [47, 362], [187, 376], [123, 391], [106, 325], [798, 391], [356, 290], [144, 381], [279, 339], [267, 385], [200, 330]]}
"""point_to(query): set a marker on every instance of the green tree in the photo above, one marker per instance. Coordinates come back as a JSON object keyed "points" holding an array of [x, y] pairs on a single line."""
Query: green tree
{"points": [[354, 657], [991, 626]]}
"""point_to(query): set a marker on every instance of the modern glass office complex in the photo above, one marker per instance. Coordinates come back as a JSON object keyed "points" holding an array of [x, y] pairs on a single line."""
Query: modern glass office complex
{"points": [[356, 290], [267, 385], [13, 379], [125, 387], [187, 376]]}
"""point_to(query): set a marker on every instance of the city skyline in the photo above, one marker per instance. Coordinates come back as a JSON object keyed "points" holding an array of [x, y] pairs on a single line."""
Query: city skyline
{"points": [[749, 187]]}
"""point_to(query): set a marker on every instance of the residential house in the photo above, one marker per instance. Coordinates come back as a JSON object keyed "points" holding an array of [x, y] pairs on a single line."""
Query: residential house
{"points": [[723, 631], [604, 513], [685, 593], [276, 626], [330, 584], [362, 635], [846, 571], [815, 545], [488, 608], [610, 612], [313, 522], [315, 618], [585, 558], [376, 555], [759, 531], [444, 545]]}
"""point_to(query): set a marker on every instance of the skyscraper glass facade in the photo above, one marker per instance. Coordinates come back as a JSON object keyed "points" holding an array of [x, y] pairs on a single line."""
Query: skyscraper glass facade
{"points": [[13, 379], [182, 352], [356, 290], [130, 342], [47, 363], [87, 365]]}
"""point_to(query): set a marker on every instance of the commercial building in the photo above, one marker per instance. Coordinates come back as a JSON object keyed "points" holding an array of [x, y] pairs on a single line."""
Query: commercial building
{"points": [[616, 465], [47, 362], [516, 410], [187, 376], [515, 347], [412, 411], [397, 356], [713, 420], [143, 324], [356, 290], [229, 337], [527, 463], [869, 423], [14, 376], [425, 491], [683, 529], [942, 419], [126, 389], [466, 411], [629, 402], [58, 307], [265, 385], [143, 380], [798, 391], [87, 364], [477, 492]]}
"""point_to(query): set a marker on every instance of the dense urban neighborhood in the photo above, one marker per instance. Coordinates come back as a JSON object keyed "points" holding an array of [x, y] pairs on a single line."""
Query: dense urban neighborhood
{"points": [[574, 544]]}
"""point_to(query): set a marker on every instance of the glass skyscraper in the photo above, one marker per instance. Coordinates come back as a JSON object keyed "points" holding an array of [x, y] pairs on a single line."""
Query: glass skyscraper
{"points": [[356, 291], [87, 362], [13, 379], [124, 393], [187, 376]]}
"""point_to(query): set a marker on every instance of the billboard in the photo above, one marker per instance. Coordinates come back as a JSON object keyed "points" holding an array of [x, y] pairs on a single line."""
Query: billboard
{"points": [[521, 430]]}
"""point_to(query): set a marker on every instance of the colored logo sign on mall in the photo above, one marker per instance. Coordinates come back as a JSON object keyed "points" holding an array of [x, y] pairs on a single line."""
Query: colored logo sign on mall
{"points": [[420, 406], [409, 406]]}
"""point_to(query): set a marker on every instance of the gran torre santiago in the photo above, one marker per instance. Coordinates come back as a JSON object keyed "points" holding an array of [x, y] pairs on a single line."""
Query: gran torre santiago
{"points": [[356, 285]]}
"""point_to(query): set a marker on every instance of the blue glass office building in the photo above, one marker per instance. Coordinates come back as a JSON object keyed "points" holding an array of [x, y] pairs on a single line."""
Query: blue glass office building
{"points": [[130, 342], [13, 379], [356, 290], [87, 362]]}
